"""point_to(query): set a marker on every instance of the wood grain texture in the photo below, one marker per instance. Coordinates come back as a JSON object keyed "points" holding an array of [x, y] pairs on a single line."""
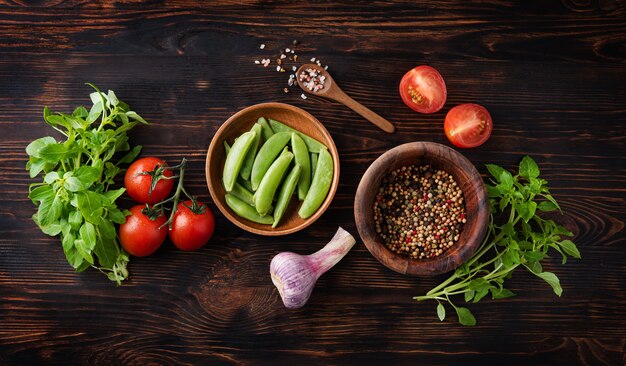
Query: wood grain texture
{"points": [[550, 72]]}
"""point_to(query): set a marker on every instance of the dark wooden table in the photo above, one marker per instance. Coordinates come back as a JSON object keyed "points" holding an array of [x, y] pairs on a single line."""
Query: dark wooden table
{"points": [[552, 74]]}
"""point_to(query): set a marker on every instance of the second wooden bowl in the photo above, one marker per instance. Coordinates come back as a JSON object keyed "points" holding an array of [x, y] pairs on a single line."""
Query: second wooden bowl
{"points": [[474, 193], [241, 122]]}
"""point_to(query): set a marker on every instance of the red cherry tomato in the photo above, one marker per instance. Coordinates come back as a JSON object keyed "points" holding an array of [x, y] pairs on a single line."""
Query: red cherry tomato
{"points": [[141, 236], [468, 125], [423, 89], [138, 184], [191, 230]]}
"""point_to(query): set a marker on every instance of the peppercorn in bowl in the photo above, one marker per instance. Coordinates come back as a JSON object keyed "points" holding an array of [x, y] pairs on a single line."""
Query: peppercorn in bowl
{"points": [[422, 209]]}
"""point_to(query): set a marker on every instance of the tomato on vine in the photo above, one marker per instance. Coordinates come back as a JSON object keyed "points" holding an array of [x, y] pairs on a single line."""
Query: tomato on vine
{"points": [[192, 226], [149, 180], [144, 231]]}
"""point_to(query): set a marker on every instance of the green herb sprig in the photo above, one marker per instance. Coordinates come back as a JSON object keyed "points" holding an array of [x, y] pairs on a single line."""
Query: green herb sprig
{"points": [[522, 239], [74, 199]]}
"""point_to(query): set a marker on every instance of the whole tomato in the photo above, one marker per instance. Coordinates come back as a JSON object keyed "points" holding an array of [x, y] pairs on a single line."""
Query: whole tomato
{"points": [[141, 235], [140, 175], [193, 225]]}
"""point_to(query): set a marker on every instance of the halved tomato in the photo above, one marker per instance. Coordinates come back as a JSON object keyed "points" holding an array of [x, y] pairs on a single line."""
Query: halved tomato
{"points": [[468, 125], [423, 89]]}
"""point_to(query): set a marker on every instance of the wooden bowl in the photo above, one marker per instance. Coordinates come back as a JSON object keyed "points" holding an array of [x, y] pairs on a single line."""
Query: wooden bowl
{"points": [[241, 122], [474, 193]]}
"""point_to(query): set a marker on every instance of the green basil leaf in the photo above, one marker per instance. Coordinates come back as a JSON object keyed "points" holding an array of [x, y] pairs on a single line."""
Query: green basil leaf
{"points": [[35, 147], [465, 316], [114, 195], [88, 175], [469, 295], [570, 248], [478, 284], [54, 153], [90, 206], [35, 166], [95, 112], [49, 210], [71, 253], [506, 179], [88, 235], [534, 256], [116, 215], [553, 201], [53, 229], [546, 206], [73, 184], [552, 280], [495, 170], [112, 99], [97, 97], [106, 248], [528, 168], [55, 120], [441, 312], [41, 193], [480, 294], [80, 112], [110, 171], [136, 117], [83, 250], [130, 156], [75, 219], [493, 192], [501, 293]]}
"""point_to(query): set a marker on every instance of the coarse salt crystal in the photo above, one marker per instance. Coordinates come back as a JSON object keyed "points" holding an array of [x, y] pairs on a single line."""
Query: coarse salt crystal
{"points": [[262, 46], [313, 59], [277, 68], [302, 96], [283, 56], [294, 68], [326, 67], [287, 50], [257, 62]]}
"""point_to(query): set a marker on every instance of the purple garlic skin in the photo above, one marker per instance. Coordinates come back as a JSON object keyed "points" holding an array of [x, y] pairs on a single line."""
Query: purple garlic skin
{"points": [[294, 278], [295, 275]]}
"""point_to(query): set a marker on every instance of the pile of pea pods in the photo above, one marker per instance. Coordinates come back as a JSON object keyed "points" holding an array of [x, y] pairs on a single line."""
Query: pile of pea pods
{"points": [[267, 163]]}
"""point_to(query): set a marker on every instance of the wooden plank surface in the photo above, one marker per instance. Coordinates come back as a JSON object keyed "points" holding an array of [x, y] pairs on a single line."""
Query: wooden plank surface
{"points": [[552, 74]]}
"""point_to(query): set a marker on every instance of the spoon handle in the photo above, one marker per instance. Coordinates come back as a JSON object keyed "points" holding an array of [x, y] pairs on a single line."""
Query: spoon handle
{"points": [[365, 112]]}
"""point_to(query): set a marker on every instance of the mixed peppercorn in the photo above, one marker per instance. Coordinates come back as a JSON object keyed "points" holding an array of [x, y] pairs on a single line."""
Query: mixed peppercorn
{"points": [[419, 211]]}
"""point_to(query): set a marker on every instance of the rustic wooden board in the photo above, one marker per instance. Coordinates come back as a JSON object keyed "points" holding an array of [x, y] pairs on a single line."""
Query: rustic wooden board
{"points": [[552, 74]]}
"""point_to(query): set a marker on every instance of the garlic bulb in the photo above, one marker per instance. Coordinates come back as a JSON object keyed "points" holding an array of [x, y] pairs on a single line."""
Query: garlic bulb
{"points": [[295, 275]]}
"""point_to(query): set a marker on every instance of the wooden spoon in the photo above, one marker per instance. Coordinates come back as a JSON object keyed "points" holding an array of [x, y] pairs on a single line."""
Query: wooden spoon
{"points": [[332, 91]]}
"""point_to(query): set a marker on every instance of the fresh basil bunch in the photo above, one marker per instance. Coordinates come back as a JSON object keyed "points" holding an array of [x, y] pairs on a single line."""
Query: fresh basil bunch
{"points": [[517, 236], [74, 199]]}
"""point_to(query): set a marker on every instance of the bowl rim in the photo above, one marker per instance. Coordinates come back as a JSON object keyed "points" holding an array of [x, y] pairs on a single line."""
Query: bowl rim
{"points": [[332, 148], [406, 265]]}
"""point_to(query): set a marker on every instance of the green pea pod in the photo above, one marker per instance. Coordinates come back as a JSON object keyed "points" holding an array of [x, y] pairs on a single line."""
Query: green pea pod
{"points": [[312, 144], [267, 130], [286, 191], [266, 155], [313, 163], [246, 211], [242, 193], [319, 186], [246, 168], [226, 147], [301, 156], [235, 159], [264, 195], [245, 183]]}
